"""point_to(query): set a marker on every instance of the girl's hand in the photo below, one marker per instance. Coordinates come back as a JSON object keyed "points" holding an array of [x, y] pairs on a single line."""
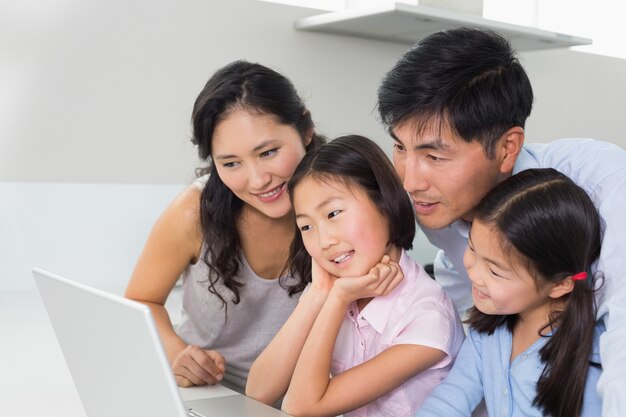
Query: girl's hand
{"points": [[383, 278], [196, 366], [322, 280]]}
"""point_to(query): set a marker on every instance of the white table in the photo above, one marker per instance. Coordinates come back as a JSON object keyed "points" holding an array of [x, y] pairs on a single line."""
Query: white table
{"points": [[34, 379]]}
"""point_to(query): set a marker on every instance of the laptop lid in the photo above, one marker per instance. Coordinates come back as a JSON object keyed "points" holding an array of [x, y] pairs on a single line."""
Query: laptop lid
{"points": [[112, 349], [114, 353]]}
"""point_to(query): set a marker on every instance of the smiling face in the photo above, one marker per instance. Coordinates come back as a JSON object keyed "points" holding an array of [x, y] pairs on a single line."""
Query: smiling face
{"points": [[341, 229], [501, 285], [255, 156], [445, 176]]}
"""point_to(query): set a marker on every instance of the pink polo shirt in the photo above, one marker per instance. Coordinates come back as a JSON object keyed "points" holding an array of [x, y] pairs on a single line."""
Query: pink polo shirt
{"points": [[417, 312]]}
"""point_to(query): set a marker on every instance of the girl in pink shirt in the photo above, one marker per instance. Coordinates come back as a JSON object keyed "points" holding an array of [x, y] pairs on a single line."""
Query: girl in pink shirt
{"points": [[373, 334]]}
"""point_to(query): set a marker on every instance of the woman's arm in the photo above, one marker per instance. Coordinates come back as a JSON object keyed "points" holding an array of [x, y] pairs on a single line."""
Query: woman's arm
{"points": [[174, 243], [313, 393]]}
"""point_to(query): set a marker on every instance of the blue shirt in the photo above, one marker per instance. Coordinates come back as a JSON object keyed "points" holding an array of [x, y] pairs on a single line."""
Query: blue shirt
{"points": [[483, 367], [600, 169]]}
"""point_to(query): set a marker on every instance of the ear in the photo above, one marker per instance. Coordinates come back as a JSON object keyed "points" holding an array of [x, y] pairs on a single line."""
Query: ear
{"points": [[509, 147], [308, 135], [562, 288]]}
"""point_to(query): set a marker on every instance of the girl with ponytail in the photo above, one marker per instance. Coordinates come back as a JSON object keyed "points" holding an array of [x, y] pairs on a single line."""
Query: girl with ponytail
{"points": [[533, 347]]}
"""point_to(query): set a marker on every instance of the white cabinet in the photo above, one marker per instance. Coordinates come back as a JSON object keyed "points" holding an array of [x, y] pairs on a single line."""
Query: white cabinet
{"points": [[407, 23]]}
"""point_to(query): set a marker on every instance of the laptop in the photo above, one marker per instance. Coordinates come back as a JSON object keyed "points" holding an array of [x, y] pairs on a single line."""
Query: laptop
{"points": [[116, 358]]}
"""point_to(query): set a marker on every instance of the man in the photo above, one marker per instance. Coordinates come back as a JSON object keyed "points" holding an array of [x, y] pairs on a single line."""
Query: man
{"points": [[456, 105]]}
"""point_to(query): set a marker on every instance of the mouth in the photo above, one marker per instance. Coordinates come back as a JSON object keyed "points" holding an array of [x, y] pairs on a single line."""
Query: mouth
{"points": [[423, 207], [343, 258], [272, 194], [479, 294]]}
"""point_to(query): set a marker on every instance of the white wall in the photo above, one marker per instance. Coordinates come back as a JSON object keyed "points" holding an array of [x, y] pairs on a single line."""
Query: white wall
{"points": [[85, 231], [101, 92], [576, 95]]}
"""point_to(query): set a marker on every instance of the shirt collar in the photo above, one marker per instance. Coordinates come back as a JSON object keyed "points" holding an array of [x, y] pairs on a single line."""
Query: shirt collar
{"points": [[463, 227], [378, 310]]}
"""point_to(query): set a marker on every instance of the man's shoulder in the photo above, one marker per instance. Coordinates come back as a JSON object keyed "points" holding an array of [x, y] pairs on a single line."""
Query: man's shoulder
{"points": [[585, 161], [568, 150]]}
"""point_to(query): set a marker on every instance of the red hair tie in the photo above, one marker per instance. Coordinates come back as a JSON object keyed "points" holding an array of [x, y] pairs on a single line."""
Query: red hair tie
{"points": [[579, 276]]}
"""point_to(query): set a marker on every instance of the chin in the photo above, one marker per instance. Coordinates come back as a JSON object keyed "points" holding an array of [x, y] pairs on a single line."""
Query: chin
{"points": [[278, 213], [434, 224], [350, 272], [487, 311]]}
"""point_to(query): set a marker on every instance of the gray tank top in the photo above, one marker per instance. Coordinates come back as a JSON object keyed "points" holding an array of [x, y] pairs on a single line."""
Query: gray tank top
{"points": [[248, 327]]}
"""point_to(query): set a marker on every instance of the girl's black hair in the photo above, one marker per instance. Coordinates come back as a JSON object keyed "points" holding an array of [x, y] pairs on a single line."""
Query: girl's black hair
{"points": [[260, 90], [551, 225], [356, 161]]}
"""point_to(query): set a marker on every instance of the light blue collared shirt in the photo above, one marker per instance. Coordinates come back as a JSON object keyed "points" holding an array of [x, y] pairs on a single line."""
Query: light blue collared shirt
{"points": [[600, 169], [483, 367]]}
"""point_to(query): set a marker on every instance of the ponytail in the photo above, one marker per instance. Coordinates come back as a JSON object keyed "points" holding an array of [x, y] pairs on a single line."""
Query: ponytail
{"points": [[566, 355]]}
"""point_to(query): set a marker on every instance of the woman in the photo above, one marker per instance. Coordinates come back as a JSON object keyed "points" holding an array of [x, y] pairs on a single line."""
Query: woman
{"points": [[228, 234]]}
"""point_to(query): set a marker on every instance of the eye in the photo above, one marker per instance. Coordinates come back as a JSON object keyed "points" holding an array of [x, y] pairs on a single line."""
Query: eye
{"points": [[305, 227], [495, 274], [333, 213], [432, 157], [398, 147], [230, 164], [269, 152]]}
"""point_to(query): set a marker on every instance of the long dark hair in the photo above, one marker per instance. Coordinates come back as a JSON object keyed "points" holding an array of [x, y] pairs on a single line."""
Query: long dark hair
{"points": [[551, 225], [469, 78], [356, 161], [252, 87]]}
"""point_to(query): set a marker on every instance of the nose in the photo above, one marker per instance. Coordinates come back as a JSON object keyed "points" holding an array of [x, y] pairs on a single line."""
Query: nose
{"points": [[258, 176], [414, 178], [469, 261], [327, 237]]}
